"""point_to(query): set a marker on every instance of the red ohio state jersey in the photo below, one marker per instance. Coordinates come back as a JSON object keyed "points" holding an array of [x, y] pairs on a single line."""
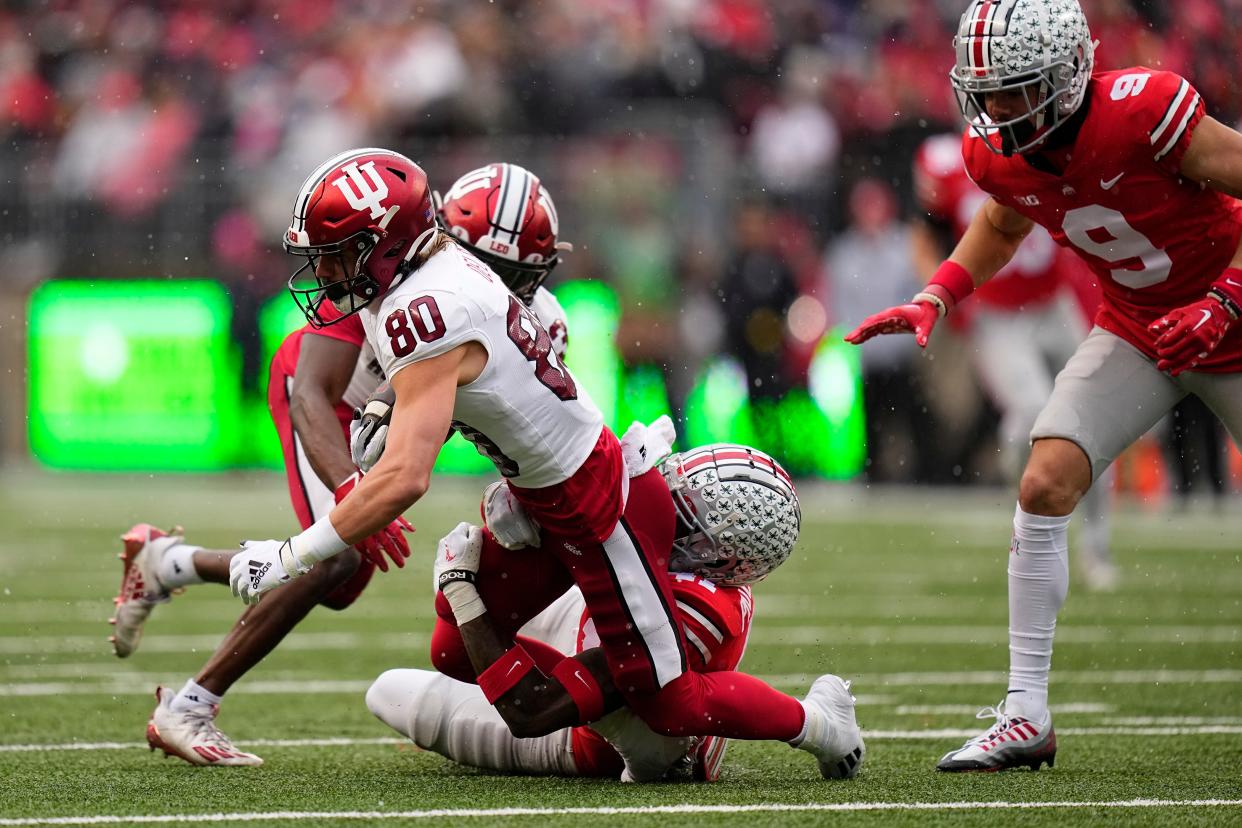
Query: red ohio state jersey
{"points": [[714, 619], [947, 194], [1156, 240]]}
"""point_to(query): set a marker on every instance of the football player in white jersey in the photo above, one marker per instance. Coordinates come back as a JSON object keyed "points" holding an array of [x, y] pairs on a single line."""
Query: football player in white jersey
{"points": [[714, 609], [460, 349], [319, 376]]}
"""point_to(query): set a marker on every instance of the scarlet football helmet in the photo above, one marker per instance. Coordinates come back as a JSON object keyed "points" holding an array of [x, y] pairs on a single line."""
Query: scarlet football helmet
{"points": [[1042, 48], [369, 208], [738, 513], [506, 217]]}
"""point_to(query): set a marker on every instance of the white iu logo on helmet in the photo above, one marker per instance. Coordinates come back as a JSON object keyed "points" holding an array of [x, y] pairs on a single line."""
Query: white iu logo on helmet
{"points": [[367, 197]]}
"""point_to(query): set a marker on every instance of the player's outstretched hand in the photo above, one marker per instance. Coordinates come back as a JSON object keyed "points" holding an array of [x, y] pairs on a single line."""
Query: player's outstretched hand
{"points": [[261, 566], [389, 541], [917, 318], [507, 519], [1188, 334]]}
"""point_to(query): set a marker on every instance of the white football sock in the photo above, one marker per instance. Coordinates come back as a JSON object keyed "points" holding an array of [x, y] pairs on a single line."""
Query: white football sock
{"points": [[194, 697], [177, 566], [1038, 581]]}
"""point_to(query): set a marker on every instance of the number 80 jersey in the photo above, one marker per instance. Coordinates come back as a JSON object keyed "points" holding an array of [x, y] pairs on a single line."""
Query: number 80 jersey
{"points": [[1156, 240], [526, 412]]}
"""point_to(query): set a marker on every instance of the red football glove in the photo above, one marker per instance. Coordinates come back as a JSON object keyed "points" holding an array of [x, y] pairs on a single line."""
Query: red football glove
{"points": [[1188, 334], [388, 540], [918, 318]]}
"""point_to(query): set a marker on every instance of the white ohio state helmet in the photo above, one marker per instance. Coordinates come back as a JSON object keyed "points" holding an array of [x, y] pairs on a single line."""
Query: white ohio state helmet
{"points": [[1042, 48], [740, 511]]}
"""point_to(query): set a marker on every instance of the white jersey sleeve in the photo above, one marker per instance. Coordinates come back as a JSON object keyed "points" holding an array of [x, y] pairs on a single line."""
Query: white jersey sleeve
{"points": [[526, 411], [552, 315]]}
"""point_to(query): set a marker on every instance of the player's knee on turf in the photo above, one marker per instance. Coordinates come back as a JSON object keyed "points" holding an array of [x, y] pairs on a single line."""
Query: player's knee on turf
{"points": [[1057, 475], [390, 699]]}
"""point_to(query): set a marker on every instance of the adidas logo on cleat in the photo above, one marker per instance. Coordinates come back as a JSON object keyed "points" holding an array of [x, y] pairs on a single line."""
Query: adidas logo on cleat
{"points": [[849, 761]]}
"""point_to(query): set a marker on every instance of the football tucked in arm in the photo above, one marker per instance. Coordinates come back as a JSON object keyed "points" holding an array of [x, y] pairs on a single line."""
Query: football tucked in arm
{"points": [[369, 429]]}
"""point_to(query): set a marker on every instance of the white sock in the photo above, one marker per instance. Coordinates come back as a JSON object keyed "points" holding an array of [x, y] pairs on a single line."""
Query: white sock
{"points": [[1038, 581], [194, 697], [177, 566]]}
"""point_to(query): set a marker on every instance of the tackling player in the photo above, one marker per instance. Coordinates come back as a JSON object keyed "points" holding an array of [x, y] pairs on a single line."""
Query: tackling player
{"points": [[714, 609], [319, 376], [1023, 325], [459, 349], [1126, 168]]}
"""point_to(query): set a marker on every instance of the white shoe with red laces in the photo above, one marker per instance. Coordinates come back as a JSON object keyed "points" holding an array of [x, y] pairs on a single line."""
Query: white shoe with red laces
{"points": [[192, 735], [141, 589], [1012, 742]]}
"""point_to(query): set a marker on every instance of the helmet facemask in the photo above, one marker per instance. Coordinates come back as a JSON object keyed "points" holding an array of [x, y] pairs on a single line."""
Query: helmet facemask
{"points": [[1045, 92], [1039, 50], [520, 277], [349, 293]]}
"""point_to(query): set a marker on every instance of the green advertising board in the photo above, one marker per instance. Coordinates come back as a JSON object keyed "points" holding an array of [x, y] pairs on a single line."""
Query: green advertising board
{"points": [[142, 375]]}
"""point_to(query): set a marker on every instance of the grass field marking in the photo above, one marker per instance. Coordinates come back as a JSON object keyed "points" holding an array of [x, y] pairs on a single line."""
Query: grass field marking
{"points": [[972, 677], [875, 735], [1060, 709], [768, 635], [874, 680], [638, 810]]}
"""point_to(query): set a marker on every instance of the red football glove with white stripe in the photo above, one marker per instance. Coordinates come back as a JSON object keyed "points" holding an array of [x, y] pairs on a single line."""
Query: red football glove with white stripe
{"points": [[1189, 334], [390, 540]]}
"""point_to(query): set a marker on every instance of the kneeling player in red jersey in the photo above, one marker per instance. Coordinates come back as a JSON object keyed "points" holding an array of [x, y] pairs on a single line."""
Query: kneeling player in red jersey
{"points": [[319, 376], [714, 608], [1125, 168]]}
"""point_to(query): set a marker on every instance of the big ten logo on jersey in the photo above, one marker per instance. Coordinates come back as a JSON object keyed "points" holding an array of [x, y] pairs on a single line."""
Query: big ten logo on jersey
{"points": [[477, 266], [360, 194]]}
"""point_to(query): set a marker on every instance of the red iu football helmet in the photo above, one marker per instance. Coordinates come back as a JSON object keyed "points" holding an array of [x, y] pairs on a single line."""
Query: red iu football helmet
{"points": [[506, 217], [359, 219]]}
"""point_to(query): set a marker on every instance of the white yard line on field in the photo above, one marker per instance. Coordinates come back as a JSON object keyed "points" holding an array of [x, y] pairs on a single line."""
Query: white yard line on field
{"points": [[973, 677], [871, 735], [124, 685], [771, 634], [639, 810], [1059, 709]]}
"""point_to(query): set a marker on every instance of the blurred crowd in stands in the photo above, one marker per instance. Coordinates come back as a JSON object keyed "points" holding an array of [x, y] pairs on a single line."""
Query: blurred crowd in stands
{"points": [[716, 161]]}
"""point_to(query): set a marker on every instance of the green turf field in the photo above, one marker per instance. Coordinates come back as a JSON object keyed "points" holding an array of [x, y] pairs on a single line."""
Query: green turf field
{"points": [[904, 591]]}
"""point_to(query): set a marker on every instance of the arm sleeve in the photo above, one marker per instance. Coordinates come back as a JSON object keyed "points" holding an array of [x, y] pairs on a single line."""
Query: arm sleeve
{"points": [[711, 619], [1171, 109]]}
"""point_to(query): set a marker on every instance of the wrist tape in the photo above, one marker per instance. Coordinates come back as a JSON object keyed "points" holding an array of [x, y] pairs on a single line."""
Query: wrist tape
{"points": [[1228, 291], [950, 285], [505, 672], [319, 542]]}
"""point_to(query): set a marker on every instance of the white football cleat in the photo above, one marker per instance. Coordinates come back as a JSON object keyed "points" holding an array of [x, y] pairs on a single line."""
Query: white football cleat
{"points": [[832, 733], [141, 589], [192, 736], [1012, 742]]}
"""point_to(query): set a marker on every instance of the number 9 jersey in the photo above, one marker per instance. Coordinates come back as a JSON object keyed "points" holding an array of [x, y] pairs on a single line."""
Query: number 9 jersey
{"points": [[525, 412], [1155, 239]]}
